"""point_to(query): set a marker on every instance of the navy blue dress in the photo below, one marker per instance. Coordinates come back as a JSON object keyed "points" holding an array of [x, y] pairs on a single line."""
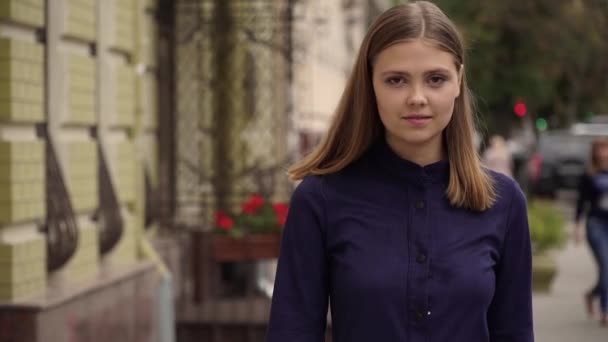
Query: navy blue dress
{"points": [[380, 244]]}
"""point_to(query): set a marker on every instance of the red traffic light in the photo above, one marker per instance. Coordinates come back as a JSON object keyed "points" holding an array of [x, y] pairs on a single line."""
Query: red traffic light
{"points": [[520, 109]]}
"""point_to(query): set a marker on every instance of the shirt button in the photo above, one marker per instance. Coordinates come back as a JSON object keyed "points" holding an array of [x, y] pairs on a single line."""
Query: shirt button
{"points": [[421, 258], [420, 205]]}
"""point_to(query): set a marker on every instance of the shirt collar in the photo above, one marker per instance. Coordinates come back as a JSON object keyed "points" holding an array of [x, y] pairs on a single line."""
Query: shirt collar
{"points": [[384, 155]]}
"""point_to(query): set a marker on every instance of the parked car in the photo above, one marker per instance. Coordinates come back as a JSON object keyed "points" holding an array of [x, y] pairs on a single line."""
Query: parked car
{"points": [[560, 159]]}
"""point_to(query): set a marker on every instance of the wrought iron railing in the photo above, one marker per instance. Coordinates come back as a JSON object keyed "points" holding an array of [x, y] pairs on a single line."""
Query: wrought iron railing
{"points": [[108, 215], [60, 226]]}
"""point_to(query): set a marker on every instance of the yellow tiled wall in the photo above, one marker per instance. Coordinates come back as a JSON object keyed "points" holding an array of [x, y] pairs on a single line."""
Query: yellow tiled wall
{"points": [[128, 38], [123, 166], [29, 12], [22, 267], [81, 171], [151, 154], [148, 102], [125, 96], [125, 251], [80, 90], [80, 19], [84, 265], [123, 27], [21, 81], [22, 181], [147, 34]]}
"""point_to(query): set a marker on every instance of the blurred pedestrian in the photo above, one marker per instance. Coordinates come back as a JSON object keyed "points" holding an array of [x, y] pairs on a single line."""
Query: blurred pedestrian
{"points": [[396, 221], [497, 156], [593, 204]]}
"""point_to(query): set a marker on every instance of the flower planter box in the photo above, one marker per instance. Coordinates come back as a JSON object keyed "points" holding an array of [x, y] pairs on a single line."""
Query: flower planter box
{"points": [[248, 248], [544, 270]]}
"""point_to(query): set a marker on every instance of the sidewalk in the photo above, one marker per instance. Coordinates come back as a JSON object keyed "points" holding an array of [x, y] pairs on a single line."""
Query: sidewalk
{"points": [[560, 315]]}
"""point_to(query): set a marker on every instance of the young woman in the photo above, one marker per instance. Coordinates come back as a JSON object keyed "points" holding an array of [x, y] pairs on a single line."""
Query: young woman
{"points": [[395, 223], [593, 200]]}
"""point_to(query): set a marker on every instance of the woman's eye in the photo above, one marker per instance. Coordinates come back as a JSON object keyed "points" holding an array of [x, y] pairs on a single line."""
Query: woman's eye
{"points": [[395, 81], [436, 80]]}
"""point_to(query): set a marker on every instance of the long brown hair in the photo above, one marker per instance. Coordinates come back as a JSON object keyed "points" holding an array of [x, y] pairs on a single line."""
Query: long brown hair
{"points": [[356, 123], [596, 145]]}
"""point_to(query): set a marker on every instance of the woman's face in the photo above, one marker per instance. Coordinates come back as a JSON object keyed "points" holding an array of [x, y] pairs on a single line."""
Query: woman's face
{"points": [[416, 85], [602, 155]]}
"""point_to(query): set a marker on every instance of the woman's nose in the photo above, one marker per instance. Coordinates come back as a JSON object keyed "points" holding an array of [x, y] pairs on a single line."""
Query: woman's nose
{"points": [[416, 97]]}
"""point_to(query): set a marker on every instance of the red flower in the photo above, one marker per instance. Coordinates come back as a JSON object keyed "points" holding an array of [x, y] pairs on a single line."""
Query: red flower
{"points": [[254, 204], [280, 211], [223, 221]]}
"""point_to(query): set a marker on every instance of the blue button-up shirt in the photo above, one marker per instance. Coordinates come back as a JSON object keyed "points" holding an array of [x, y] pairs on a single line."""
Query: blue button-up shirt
{"points": [[381, 244], [593, 193]]}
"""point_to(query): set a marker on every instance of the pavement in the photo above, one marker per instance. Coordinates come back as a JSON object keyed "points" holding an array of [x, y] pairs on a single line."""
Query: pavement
{"points": [[560, 315]]}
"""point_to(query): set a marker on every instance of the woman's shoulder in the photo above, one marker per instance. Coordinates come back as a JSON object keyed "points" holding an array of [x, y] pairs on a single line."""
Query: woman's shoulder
{"points": [[508, 191], [319, 185], [309, 187]]}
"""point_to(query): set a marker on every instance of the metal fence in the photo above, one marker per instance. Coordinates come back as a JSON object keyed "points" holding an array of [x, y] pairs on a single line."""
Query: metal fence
{"points": [[232, 112], [232, 103], [223, 136]]}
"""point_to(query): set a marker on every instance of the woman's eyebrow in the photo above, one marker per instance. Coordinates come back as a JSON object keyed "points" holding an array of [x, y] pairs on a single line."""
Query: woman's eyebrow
{"points": [[438, 70], [405, 73]]}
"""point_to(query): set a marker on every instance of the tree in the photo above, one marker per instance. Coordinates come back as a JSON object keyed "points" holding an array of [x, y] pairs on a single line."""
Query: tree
{"points": [[548, 52]]}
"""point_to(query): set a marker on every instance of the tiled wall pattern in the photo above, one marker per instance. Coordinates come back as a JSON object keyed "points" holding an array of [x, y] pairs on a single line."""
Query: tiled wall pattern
{"points": [[84, 265], [81, 173], [80, 86], [147, 35], [149, 104], [124, 96], [122, 27], [123, 170], [79, 19], [71, 28], [22, 267], [28, 12], [22, 181], [125, 251], [22, 159], [21, 81]]}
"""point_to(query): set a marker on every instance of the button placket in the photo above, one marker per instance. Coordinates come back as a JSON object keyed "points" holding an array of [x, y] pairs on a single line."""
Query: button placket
{"points": [[419, 245], [421, 258], [420, 204]]}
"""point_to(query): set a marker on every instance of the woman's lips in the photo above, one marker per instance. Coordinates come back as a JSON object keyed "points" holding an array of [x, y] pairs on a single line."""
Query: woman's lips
{"points": [[418, 120]]}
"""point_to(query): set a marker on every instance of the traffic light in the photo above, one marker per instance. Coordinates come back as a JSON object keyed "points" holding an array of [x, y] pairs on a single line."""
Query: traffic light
{"points": [[541, 124], [520, 108]]}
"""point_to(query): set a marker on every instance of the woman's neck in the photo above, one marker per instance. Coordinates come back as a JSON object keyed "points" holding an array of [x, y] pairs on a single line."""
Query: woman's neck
{"points": [[422, 154]]}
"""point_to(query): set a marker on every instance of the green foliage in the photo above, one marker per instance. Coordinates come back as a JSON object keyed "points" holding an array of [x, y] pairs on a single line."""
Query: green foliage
{"points": [[546, 226], [262, 222], [549, 52]]}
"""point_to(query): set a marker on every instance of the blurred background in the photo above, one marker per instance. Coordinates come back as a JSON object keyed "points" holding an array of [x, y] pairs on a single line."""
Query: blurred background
{"points": [[144, 144]]}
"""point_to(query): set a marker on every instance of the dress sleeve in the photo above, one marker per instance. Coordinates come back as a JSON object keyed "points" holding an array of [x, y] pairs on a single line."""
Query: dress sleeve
{"points": [[300, 297], [510, 313]]}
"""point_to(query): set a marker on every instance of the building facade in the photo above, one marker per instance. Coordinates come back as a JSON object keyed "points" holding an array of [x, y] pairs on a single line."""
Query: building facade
{"points": [[78, 140]]}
